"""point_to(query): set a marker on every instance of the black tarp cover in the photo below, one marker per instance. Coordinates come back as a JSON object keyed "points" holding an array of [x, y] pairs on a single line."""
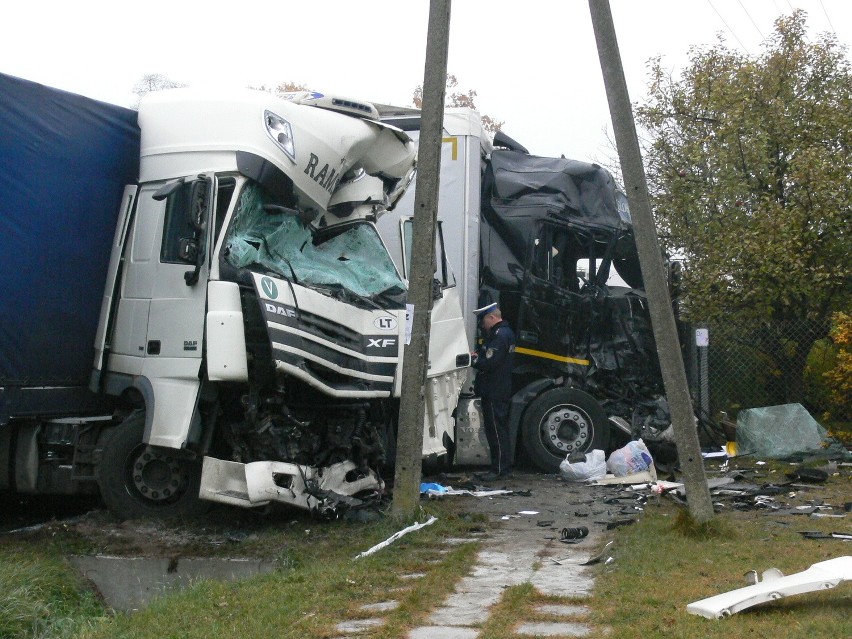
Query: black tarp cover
{"points": [[64, 161], [576, 191], [520, 191]]}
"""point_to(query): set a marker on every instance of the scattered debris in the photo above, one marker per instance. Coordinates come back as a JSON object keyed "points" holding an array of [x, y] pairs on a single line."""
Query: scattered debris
{"points": [[573, 535], [596, 558], [438, 490], [774, 585], [808, 475], [618, 523], [816, 534], [642, 477], [395, 536]]}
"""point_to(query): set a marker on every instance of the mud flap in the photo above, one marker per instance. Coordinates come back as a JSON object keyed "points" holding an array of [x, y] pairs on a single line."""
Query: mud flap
{"points": [[774, 585], [306, 487]]}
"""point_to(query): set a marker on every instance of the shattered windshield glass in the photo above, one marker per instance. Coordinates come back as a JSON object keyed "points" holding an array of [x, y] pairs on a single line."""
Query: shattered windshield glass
{"points": [[343, 259]]}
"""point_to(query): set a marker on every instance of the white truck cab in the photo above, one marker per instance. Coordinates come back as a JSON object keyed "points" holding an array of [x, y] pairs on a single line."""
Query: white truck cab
{"points": [[253, 311]]}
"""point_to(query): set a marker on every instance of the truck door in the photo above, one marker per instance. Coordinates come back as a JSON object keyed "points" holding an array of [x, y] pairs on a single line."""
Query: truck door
{"points": [[447, 341], [449, 354], [159, 327]]}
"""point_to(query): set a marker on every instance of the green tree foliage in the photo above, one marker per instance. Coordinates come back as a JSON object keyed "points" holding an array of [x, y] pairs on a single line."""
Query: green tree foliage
{"points": [[839, 378], [459, 98], [749, 169], [749, 163]]}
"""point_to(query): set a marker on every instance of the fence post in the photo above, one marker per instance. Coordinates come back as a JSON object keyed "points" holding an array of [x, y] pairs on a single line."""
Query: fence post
{"points": [[702, 343]]}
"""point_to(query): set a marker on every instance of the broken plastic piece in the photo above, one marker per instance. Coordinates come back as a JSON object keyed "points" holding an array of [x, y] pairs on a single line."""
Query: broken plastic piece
{"points": [[774, 585], [395, 536], [432, 488], [595, 559]]}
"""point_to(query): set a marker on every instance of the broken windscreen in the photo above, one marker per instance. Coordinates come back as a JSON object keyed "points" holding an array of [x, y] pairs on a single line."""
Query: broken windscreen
{"points": [[346, 258]]}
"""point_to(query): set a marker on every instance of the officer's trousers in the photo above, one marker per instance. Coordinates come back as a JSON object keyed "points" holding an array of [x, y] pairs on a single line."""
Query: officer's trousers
{"points": [[496, 416]]}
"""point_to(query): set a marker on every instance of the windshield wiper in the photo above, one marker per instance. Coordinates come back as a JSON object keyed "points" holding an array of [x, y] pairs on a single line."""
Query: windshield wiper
{"points": [[337, 291], [283, 259], [394, 293]]}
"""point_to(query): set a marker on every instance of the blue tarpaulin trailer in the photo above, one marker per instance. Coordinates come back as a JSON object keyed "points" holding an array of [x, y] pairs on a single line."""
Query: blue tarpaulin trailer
{"points": [[64, 161]]}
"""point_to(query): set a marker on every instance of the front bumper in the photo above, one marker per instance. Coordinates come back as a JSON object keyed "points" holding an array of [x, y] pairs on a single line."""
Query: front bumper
{"points": [[319, 490]]}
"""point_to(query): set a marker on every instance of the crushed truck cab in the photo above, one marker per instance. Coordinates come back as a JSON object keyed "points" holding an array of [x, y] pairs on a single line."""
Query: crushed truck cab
{"points": [[252, 324]]}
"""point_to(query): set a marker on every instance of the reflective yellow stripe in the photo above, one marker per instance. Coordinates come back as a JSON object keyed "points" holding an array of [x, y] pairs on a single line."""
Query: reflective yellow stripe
{"points": [[558, 358]]}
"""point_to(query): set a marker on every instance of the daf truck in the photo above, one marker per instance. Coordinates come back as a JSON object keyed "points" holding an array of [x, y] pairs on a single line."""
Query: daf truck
{"points": [[196, 305]]}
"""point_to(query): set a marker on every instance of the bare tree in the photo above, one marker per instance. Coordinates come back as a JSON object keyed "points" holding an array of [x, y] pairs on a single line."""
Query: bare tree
{"points": [[460, 98], [153, 82]]}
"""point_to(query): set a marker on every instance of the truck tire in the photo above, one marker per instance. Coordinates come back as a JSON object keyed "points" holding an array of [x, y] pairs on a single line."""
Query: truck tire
{"points": [[559, 422], [138, 483]]}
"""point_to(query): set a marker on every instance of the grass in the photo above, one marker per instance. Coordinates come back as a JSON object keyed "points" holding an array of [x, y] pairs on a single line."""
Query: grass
{"points": [[662, 563], [41, 596], [317, 584]]}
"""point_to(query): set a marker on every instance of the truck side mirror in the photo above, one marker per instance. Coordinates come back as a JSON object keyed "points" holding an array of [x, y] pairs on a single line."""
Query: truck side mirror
{"points": [[198, 207], [199, 211], [167, 189]]}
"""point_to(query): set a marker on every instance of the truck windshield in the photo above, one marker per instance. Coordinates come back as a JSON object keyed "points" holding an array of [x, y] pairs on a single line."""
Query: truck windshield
{"points": [[343, 259]]}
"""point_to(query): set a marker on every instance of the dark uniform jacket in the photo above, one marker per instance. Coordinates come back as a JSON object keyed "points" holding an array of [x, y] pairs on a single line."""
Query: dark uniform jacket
{"points": [[493, 361]]}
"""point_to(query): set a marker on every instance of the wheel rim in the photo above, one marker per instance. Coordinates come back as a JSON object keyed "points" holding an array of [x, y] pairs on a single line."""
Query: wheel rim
{"points": [[565, 429], [155, 477]]}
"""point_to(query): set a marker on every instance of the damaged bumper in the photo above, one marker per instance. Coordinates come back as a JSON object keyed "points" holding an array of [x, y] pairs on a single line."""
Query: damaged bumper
{"points": [[319, 490]]}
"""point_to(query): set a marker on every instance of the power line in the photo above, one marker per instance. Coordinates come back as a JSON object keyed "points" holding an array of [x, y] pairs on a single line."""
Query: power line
{"points": [[827, 18], [752, 20], [710, 2]]}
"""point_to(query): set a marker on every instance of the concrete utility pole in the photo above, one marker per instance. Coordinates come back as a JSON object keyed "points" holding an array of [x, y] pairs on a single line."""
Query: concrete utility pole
{"points": [[412, 410], [653, 273]]}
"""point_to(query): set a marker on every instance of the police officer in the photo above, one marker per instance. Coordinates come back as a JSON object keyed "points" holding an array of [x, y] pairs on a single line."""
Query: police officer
{"points": [[493, 363]]}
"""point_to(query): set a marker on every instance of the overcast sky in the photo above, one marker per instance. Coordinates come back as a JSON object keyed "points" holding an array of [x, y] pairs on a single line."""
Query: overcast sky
{"points": [[533, 63]]}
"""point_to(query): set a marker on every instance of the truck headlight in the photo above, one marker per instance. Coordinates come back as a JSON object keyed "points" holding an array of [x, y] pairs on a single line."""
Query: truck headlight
{"points": [[281, 133]]}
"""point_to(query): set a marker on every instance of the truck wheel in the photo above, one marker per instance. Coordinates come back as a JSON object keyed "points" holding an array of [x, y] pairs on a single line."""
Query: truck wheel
{"points": [[139, 482], [559, 422]]}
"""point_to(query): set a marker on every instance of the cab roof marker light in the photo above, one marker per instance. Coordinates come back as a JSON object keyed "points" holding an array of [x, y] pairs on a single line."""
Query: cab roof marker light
{"points": [[281, 133], [366, 109]]}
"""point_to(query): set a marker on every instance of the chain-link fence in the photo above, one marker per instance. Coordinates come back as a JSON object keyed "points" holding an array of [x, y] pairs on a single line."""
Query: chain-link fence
{"points": [[747, 365]]}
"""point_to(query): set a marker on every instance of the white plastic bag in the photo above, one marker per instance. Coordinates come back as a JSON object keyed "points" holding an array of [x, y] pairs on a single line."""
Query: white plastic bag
{"points": [[632, 458], [592, 469]]}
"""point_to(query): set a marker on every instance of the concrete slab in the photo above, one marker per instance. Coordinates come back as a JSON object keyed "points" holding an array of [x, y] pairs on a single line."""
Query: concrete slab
{"points": [[465, 608], [562, 610], [443, 632], [567, 579], [129, 583], [381, 606], [358, 625], [547, 629]]}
